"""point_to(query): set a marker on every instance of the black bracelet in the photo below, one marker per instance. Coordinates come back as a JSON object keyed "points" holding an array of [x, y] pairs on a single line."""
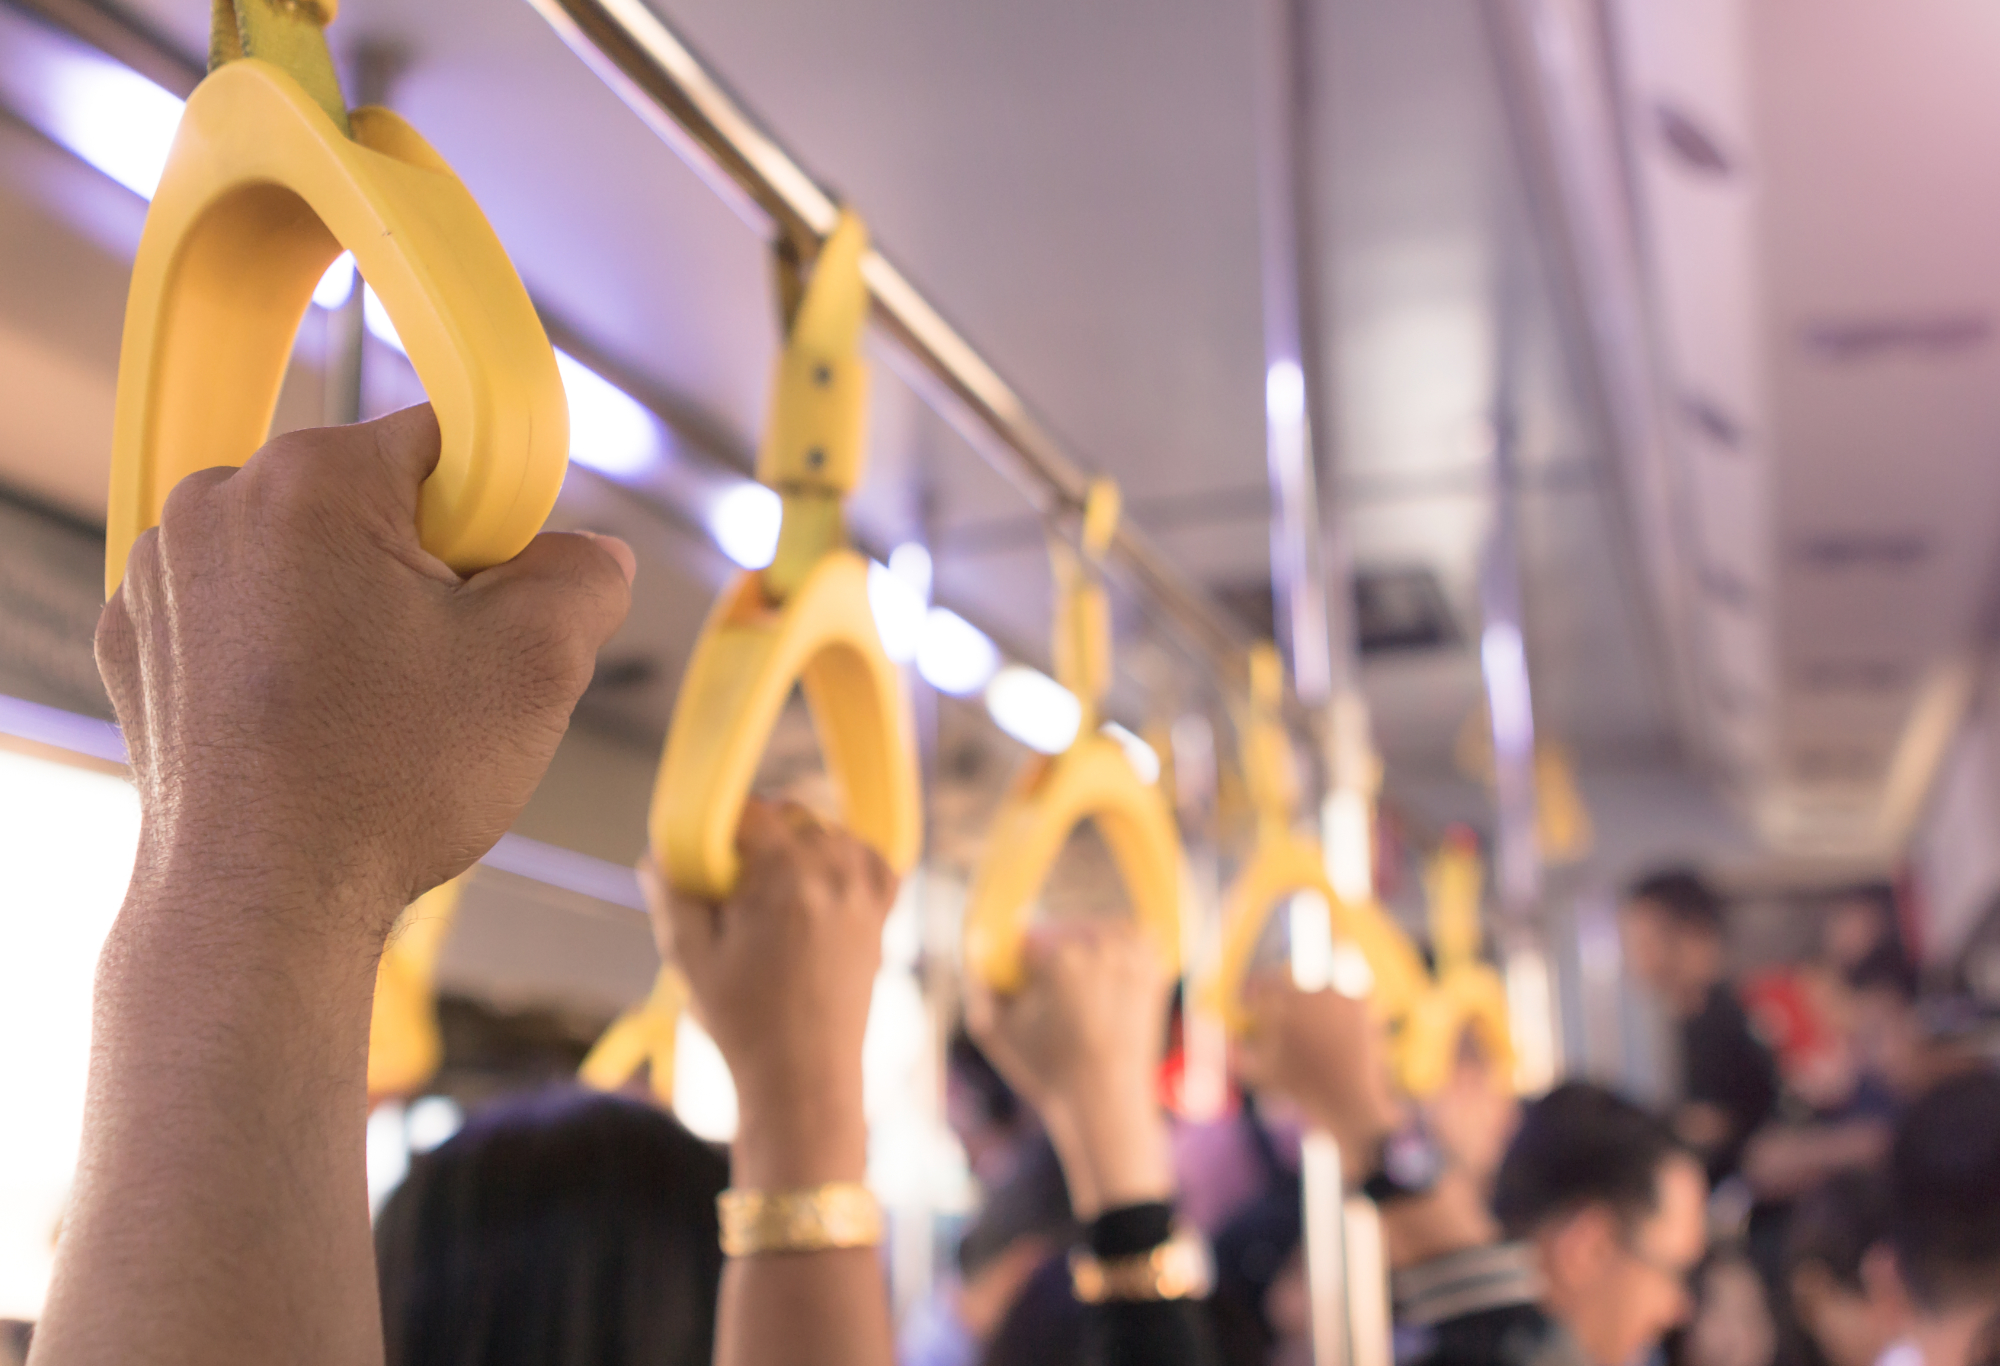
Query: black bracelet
{"points": [[1130, 1229]]}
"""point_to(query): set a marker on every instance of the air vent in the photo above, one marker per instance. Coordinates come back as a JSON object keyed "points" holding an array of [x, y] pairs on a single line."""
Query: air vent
{"points": [[1394, 610], [1892, 551], [1835, 764], [1692, 145], [1401, 609], [1846, 341]]}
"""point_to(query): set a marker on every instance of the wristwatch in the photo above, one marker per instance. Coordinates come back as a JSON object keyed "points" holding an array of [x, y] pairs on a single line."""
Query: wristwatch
{"points": [[1409, 1165]]}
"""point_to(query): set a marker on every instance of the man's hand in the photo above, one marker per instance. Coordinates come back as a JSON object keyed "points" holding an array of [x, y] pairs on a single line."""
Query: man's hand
{"points": [[311, 699], [324, 722], [1327, 1054], [782, 975], [1082, 1042]]}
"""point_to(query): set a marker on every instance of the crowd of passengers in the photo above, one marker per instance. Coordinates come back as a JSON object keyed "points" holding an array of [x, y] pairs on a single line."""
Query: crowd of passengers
{"points": [[1826, 1188]]}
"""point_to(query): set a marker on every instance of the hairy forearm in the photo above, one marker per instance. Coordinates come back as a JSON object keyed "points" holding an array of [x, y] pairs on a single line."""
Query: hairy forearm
{"points": [[221, 1203], [786, 1309]]}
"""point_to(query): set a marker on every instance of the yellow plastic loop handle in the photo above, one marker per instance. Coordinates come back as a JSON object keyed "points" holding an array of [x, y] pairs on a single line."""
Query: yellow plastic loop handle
{"points": [[749, 654], [806, 619], [260, 193], [405, 1046], [644, 1036], [1470, 997], [1092, 780], [1280, 869]]}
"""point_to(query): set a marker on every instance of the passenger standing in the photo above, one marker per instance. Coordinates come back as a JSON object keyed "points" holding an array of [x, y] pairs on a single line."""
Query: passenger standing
{"points": [[1944, 1192], [1672, 929]]}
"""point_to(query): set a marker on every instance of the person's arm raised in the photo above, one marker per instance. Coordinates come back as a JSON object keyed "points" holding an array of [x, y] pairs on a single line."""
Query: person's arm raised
{"points": [[324, 722], [782, 974]]}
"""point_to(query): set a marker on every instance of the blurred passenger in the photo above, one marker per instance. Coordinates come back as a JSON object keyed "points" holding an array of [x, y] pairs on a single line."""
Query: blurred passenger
{"points": [[1841, 1276], [564, 1227], [1082, 1043], [1672, 928], [1944, 1221], [1732, 1323], [1612, 1207]]}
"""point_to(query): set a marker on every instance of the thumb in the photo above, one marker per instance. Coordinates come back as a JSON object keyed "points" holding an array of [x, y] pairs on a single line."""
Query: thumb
{"points": [[579, 584]]}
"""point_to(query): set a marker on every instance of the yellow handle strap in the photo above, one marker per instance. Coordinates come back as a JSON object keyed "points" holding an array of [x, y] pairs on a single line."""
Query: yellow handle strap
{"points": [[1092, 780], [643, 1036], [289, 34], [814, 448], [806, 619]]}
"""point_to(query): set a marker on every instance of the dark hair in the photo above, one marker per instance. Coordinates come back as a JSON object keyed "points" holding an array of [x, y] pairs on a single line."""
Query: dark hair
{"points": [[564, 1227], [1577, 1146], [1683, 896], [968, 1064], [1836, 1225], [1944, 1184], [1886, 968]]}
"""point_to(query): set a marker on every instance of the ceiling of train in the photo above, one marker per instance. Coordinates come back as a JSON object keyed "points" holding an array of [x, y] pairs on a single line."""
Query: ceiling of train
{"points": [[1076, 187]]}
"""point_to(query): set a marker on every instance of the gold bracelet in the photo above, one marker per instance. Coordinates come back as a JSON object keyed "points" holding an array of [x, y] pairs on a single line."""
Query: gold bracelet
{"points": [[813, 1219], [1178, 1269]]}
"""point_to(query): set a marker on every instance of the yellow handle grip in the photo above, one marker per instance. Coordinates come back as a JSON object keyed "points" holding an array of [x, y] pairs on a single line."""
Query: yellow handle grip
{"points": [[1094, 781], [1279, 869], [742, 670], [405, 1046], [643, 1036], [1469, 996], [260, 193]]}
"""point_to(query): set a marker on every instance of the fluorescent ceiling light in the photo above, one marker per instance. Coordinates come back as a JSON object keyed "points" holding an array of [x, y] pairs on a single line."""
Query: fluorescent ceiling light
{"points": [[1285, 393], [1145, 762], [745, 521], [899, 613], [1504, 662], [609, 430], [380, 324], [911, 563], [337, 284], [113, 118], [955, 656], [1033, 708]]}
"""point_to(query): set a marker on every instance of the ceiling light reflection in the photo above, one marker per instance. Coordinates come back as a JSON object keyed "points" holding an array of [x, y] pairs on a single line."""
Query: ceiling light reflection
{"points": [[955, 656], [1033, 708], [745, 521]]}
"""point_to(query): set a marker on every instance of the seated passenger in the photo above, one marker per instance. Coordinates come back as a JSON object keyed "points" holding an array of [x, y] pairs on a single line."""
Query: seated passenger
{"points": [[1944, 1220], [1613, 1210], [305, 770]]}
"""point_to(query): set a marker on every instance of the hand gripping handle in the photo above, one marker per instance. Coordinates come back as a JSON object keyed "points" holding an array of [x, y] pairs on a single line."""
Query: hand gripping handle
{"points": [[806, 619]]}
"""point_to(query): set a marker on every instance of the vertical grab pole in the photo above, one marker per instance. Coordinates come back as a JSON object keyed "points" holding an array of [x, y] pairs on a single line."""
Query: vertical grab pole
{"points": [[1312, 579]]}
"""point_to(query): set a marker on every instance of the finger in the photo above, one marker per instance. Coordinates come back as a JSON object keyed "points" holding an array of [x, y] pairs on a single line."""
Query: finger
{"points": [[763, 832], [691, 930], [402, 450], [569, 588], [878, 877]]}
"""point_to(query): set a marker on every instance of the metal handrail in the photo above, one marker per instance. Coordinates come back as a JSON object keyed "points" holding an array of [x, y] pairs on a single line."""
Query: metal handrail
{"points": [[648, 66]]}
